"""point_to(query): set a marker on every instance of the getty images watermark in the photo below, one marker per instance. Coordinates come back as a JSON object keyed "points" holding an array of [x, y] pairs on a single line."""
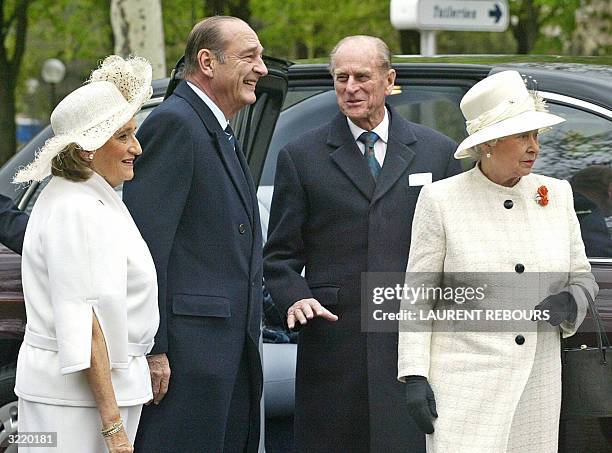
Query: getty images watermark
{"points": [[447, 302]]}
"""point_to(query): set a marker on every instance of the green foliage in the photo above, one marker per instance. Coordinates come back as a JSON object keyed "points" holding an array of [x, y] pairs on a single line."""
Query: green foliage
{"points": [[474, 42], [310, 29], [179, 17], [78, 33]]}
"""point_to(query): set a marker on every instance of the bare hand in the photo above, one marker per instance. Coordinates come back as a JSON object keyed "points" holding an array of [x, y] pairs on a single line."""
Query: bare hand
{"points": [[160, 375], [305, 309], [119, 443]]}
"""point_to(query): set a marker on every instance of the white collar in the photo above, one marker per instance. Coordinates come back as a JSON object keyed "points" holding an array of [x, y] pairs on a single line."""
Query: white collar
{"points": [[223, 122], [382, 130]]}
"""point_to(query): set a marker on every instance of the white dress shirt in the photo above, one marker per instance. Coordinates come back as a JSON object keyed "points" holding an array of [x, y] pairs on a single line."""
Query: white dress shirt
{"points": [[211, 105], [382, 130]]}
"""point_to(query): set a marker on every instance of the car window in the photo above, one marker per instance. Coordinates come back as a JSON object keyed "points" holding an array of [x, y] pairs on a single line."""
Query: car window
{"points": [[583, 139], [296, 96], [579, 150], [433, 106]]}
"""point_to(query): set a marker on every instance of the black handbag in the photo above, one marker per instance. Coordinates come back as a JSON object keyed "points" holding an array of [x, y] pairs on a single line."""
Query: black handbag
{"points": [[587, 375]]}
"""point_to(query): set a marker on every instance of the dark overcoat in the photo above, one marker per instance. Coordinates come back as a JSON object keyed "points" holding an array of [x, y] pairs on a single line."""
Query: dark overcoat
{"points": [[595, 234], [13, 224], [195, 204], [330, 216]]}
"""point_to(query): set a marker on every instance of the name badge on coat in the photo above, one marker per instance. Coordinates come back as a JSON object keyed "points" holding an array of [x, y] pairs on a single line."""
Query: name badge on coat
{"points": [[419, 179]]}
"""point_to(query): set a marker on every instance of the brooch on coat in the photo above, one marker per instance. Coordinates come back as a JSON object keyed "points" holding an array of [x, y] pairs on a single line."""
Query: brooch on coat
{"points": [[542, 196]]}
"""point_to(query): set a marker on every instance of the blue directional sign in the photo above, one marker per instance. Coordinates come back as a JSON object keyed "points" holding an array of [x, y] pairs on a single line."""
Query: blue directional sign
{"points": [[466, 15]]}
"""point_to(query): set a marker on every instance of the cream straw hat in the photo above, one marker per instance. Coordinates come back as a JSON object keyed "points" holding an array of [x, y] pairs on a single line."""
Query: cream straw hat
{"points": [[501, 105], [91, 114]]}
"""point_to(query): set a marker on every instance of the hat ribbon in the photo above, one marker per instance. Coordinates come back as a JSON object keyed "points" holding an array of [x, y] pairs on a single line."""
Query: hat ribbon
{"points": [[533, 102]]}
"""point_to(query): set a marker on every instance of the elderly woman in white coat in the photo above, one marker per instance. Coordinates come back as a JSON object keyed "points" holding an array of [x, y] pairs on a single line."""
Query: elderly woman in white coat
{"points": [[495, 391], [88, 278]]}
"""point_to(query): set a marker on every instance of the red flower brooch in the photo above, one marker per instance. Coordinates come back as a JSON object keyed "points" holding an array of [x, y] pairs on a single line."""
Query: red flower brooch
{"points": [[542, 196]]}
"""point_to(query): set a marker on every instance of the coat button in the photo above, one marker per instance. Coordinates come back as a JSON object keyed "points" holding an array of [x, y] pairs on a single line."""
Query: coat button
{"points": [[519, 339], [242, 228], [508, 204], [519, 268]]}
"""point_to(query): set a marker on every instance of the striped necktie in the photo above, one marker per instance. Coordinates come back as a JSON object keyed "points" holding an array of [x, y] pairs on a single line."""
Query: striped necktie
{"points": [[369, 139]]}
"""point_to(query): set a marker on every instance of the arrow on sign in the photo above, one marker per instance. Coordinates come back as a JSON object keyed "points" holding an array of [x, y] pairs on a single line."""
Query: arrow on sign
{"points": [[496, 13]]}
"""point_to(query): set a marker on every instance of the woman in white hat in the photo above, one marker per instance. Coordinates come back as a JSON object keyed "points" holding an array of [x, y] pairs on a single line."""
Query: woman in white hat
{"points": [[89, 280], [514, 236]]}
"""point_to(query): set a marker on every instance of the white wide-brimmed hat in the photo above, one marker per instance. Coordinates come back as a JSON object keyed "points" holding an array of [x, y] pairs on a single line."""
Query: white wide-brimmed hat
{"points": [[91, 114], [501, 105]]}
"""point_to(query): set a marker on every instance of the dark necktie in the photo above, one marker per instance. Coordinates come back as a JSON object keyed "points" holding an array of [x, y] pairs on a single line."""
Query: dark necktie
{"points": [[368, 139]]}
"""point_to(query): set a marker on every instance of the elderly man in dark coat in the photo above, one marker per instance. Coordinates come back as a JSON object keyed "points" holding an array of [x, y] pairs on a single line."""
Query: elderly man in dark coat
{"points": [[196, 206], [343, 204]]}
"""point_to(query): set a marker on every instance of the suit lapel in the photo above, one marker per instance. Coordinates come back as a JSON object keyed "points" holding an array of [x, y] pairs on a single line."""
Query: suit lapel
{"points": [[398, 155], [250, 185], [228, 156], [348, 158], [230, 159]]}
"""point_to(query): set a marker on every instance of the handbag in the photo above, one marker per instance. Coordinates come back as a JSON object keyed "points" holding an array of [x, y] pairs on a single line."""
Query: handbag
{"points": [[587, 375]]}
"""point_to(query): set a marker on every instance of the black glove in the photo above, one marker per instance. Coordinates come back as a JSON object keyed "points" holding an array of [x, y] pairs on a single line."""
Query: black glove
{"points": [[421, 402], [561, 307]]}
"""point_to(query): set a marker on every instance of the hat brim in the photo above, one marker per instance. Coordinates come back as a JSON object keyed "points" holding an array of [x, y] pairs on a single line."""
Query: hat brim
{"points": [[527, 121]]}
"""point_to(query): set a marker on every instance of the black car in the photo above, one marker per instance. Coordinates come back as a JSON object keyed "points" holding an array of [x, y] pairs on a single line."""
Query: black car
{"points": [[294, 98]]}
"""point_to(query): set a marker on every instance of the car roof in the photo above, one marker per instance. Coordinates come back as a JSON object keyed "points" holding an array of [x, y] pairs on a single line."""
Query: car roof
{"points": [[586, 81]]}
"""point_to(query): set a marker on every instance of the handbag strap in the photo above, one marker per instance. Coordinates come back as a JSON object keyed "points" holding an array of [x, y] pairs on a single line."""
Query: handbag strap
{"points": [[602, 336]]}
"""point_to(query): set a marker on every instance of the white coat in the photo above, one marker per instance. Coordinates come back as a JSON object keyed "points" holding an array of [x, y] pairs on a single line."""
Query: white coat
{"points": [[493, 394], [83, 254]]}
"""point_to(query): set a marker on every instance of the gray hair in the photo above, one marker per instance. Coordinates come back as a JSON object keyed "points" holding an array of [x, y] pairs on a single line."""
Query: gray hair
{"points": [[477, 151], [206, 34], [384, 55]]}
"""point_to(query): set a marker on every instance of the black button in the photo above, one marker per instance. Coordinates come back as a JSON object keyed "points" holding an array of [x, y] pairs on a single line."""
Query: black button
{"points": [[519, 268], [242, 228], [508, 204], [519, 339]]}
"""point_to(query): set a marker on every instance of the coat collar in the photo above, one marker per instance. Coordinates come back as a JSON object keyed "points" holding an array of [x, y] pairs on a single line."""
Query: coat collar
{"points": [[224, 149], [346, 155]]}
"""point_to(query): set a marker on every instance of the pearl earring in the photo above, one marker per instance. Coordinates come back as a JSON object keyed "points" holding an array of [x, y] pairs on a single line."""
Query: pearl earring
{"points": [[488, 155]]}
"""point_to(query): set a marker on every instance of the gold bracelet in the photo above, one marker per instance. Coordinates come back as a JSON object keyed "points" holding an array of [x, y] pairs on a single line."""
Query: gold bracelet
{"points": [[112, 429]]}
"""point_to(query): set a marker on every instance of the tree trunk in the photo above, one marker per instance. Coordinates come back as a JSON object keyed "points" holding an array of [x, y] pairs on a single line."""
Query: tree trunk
{"points": [[8, 129], [527, 29], [410, 42], [138, 30], [236, 8], [9, 71]]}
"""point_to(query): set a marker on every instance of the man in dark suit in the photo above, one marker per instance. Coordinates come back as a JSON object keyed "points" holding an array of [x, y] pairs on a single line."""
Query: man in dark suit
{"points": [[13, 224], [592, 188], [343, 205], [195, 203]]}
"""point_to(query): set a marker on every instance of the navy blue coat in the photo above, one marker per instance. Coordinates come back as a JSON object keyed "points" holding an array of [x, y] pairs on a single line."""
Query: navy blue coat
{"points": [[329, 215], [195, 204], [595, 233], [13, 223]]}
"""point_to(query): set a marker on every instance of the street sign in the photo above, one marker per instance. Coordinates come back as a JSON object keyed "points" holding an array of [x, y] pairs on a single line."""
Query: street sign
{"points": [[470, 15]]}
